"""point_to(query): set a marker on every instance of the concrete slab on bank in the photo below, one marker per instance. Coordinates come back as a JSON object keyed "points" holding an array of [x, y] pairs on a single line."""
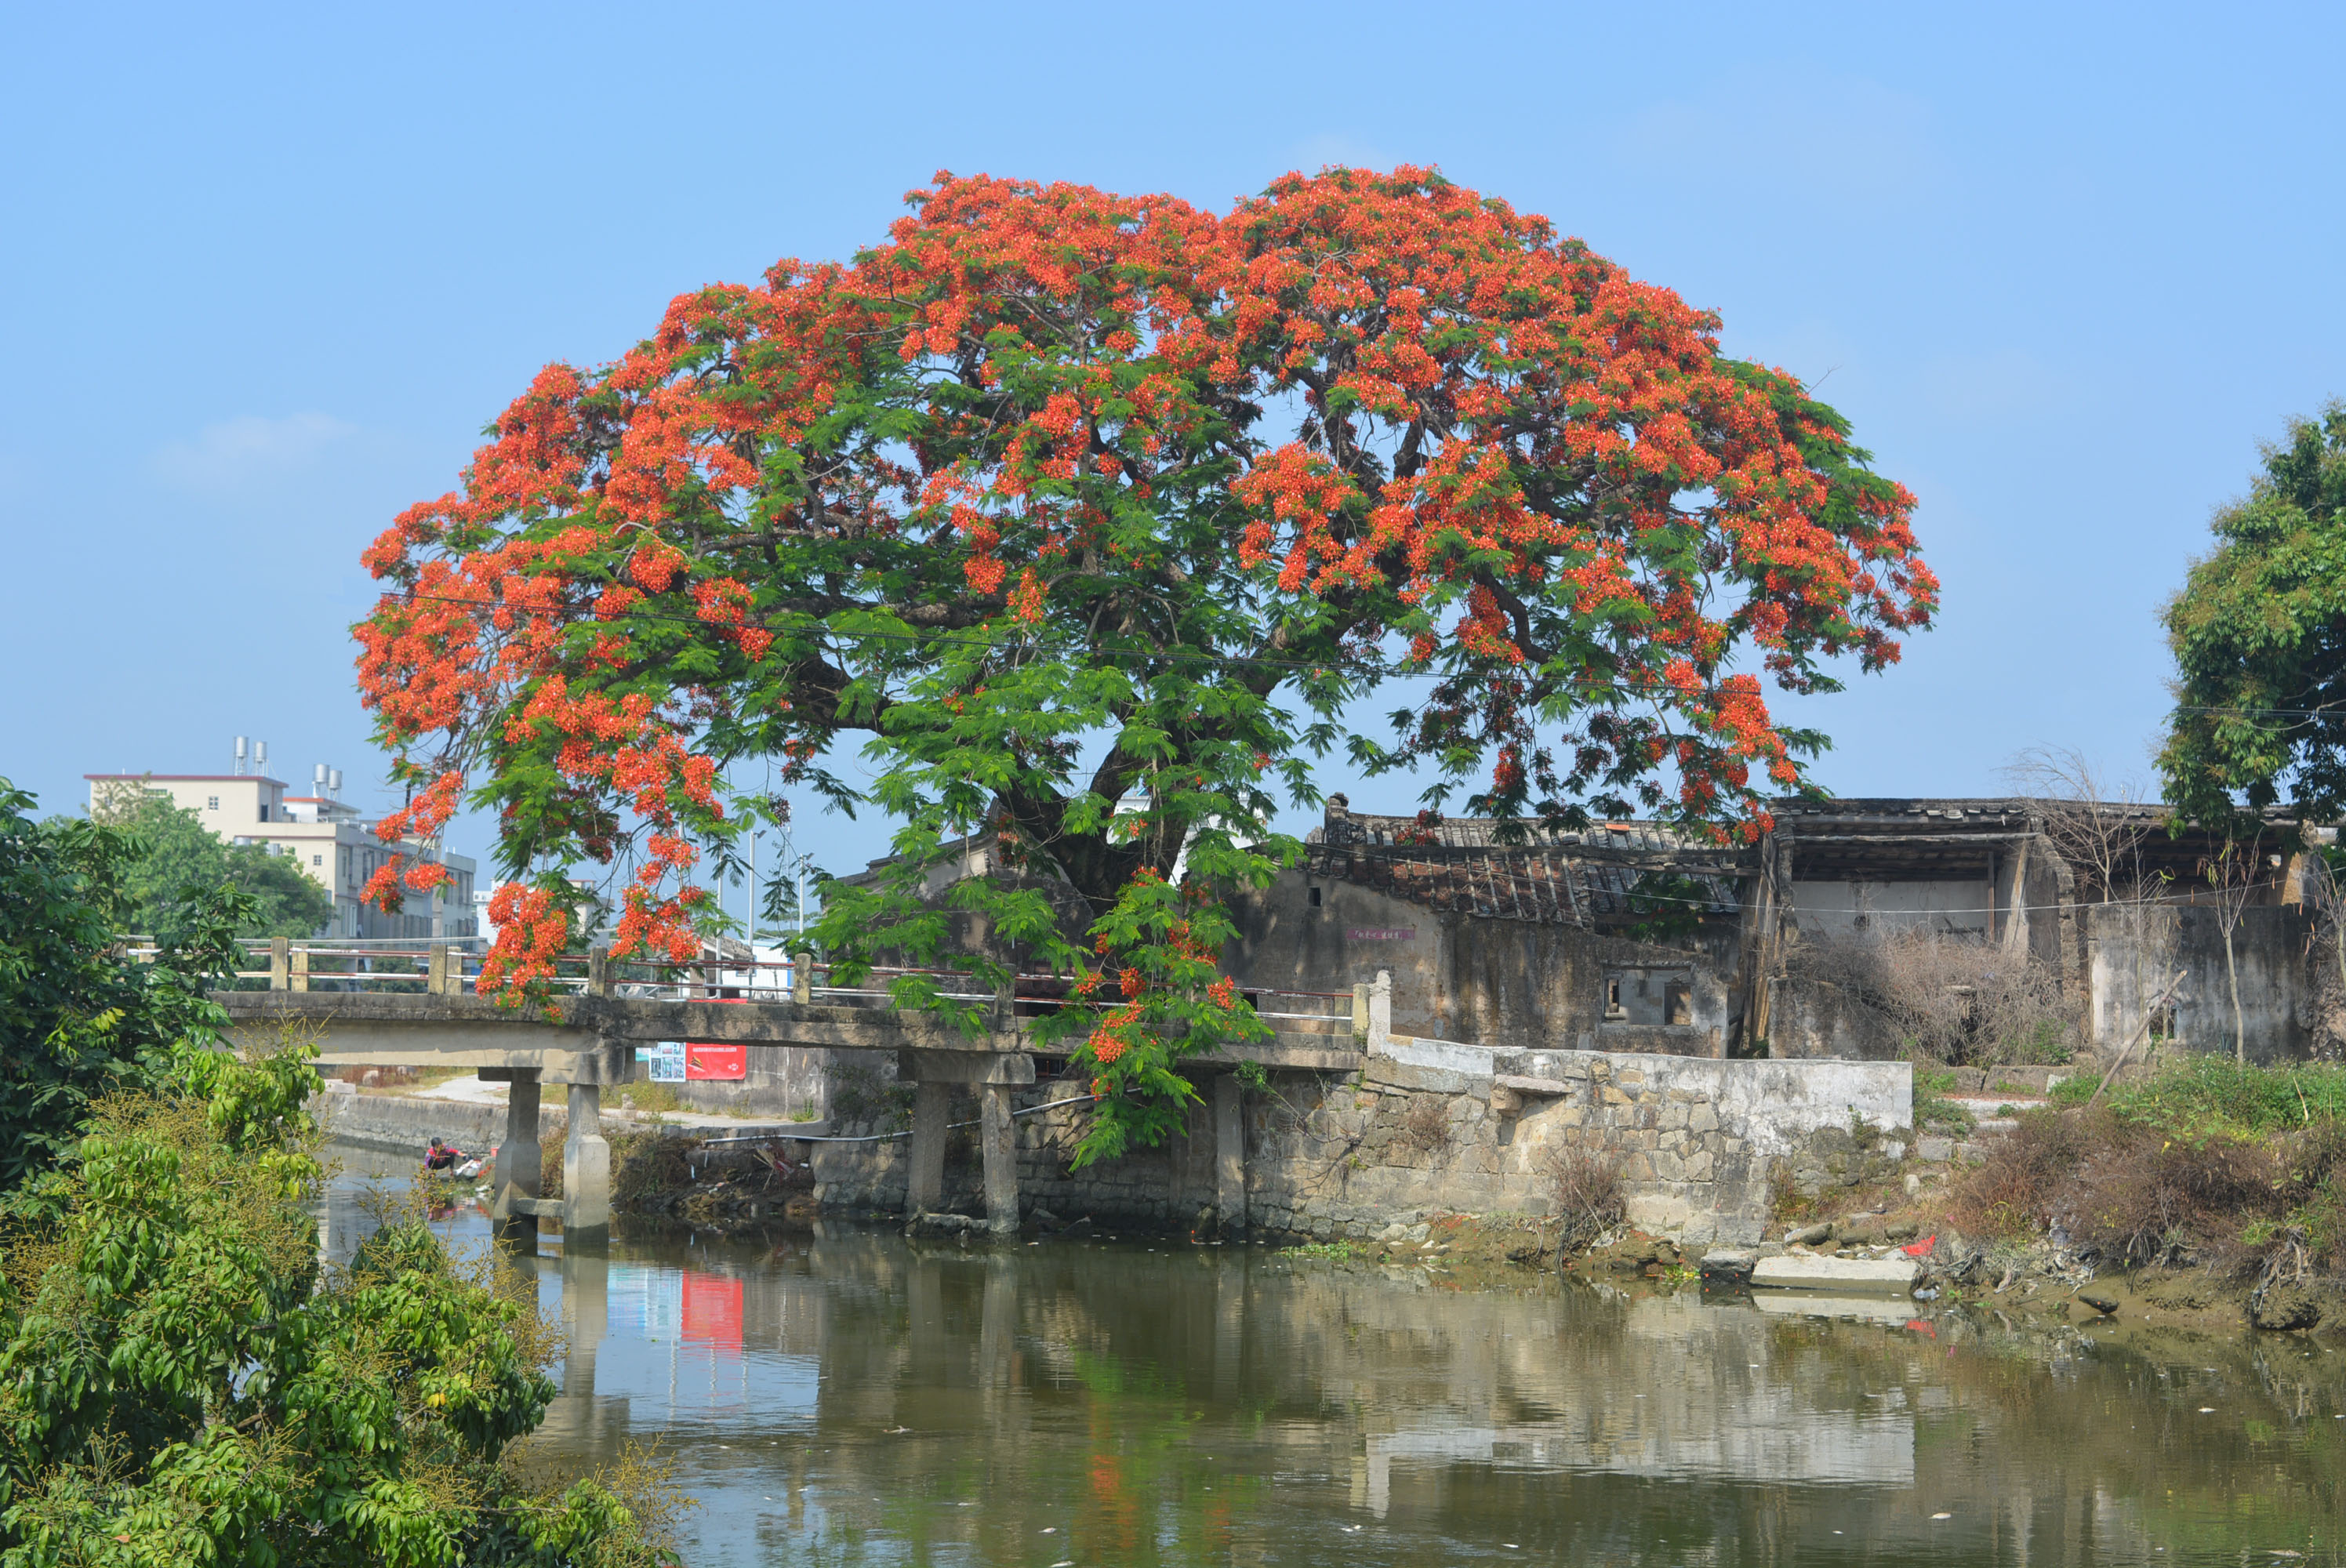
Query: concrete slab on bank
{"points": [[1842, 1276]]}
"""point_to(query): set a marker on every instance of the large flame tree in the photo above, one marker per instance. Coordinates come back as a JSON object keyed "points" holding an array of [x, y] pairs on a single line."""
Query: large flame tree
{"points": [[1092, 516]]}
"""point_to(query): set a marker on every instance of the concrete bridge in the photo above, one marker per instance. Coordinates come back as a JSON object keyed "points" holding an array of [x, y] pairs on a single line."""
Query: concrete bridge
{"points": [[592, 1046]]}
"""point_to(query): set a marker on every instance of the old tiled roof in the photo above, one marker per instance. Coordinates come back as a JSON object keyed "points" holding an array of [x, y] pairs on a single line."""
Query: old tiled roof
{"points": [[1460, 865]]}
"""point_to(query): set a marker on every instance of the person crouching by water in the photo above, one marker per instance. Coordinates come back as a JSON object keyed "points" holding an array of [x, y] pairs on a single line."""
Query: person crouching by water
{"points": [[440, 1156]]}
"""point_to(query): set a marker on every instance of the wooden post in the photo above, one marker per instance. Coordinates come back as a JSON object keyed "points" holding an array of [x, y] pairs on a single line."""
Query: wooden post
{"points": [[998, 1138], [2014, 935], [518, 1173], [2140, 1029], [1229, 1153], [281, 963], [924, 1186], [298, 969], [586, 1171]]}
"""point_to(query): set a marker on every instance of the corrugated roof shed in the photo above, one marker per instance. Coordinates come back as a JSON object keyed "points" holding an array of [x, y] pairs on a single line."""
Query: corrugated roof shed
{"points": [[1466, 865]]}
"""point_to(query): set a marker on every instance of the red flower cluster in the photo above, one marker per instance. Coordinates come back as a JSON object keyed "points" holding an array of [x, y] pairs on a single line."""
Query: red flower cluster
{"points": [[532, 929]]}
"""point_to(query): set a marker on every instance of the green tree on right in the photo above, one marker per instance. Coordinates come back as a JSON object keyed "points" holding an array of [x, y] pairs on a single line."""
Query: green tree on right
{"points": [[2258, 633]]}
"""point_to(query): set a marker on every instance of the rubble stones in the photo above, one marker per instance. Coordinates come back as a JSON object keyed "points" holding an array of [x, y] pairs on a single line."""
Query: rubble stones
{"points": [[2284, 1307]]}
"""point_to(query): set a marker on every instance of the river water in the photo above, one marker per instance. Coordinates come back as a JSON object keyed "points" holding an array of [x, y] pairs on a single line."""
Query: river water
{"points": [[853, 1398]]}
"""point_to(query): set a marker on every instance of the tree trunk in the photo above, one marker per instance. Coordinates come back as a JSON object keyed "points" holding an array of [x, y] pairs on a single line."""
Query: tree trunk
{"points": [[2239, 1029], [2338, 934]]}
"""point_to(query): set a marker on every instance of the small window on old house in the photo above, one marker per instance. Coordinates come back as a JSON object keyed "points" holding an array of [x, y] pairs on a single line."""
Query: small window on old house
{"points": [[1679, 1002], [211, 802], [2162, 1021], [1612, 1008], [1314, 896], [317, 860]]}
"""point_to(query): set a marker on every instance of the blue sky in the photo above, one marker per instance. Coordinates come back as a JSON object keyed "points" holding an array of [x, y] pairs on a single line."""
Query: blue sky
{"points": [[267, 273]]}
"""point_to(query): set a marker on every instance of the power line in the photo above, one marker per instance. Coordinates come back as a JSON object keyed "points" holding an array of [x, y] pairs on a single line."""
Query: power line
{"points": [[2269, 712]]}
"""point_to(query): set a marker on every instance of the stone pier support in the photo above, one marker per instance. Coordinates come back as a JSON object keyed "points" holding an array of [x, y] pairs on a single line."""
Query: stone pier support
{"points": [[924, 1184], [518, 1159], [586, 1171], [998, 1139], [993, 1074], [1230, 1153]]}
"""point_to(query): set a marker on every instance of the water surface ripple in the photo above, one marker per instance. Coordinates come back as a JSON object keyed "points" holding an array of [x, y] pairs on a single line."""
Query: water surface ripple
{"points": [[852, 1398]]}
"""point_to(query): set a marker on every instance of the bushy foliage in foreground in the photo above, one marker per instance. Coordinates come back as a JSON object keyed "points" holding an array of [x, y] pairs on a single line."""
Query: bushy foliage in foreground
{"points": [[2240, 1167], [182, 1382]]}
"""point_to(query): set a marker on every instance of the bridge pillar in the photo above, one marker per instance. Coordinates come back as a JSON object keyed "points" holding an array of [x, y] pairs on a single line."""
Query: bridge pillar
{"points": [[998, 1141], [1230, 1153], [924, 1186], [517, 1172], [586, 1171]]}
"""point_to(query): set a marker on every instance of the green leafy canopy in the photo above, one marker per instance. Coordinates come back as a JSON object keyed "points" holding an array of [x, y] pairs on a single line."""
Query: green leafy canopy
{"points": [[2259, 635]]}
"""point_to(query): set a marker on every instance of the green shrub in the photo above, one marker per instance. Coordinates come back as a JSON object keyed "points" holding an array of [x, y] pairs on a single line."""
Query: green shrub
{"points": [[78, 1017], [1334, 1251], [2076, 1089], [1934, 1111]]}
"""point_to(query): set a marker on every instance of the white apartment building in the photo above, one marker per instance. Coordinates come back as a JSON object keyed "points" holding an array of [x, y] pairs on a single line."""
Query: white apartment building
{"points": [[324, 837]]}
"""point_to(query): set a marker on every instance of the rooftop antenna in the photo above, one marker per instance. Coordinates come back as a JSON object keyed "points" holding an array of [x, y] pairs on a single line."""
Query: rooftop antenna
{"points": [[240, 756]]}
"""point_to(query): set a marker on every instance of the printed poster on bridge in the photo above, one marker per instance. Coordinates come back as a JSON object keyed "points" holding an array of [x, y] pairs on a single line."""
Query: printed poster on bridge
{"points": [[679, 1062]]}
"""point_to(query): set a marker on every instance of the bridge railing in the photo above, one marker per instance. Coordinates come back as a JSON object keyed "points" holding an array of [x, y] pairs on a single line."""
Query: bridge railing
{"points": [[452, 966]]}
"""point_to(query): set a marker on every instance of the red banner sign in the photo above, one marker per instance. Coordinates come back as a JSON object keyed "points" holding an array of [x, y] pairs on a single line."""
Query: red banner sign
{"points": [[716, 1061]]}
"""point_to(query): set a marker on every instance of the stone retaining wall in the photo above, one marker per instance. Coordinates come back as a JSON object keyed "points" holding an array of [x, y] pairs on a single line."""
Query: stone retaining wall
{"points": [[408, 1123], [1432, 1127]]}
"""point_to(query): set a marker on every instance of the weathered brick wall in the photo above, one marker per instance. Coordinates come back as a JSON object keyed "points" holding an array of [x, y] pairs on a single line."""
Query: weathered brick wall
{"points": [[1436, 1129]]}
